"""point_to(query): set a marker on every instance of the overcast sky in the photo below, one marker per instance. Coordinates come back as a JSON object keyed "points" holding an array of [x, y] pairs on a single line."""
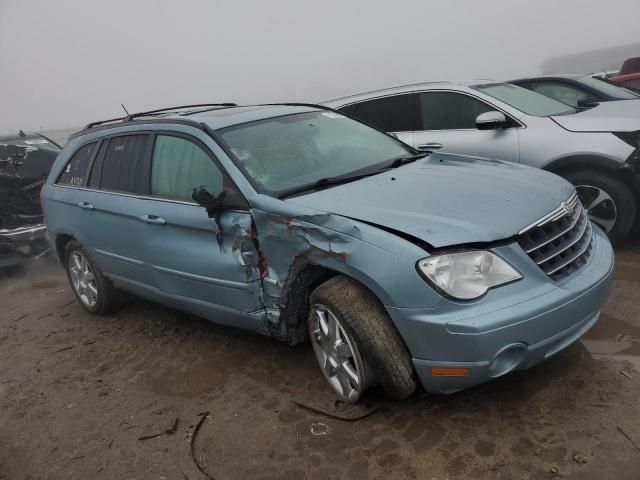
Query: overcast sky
{"points": [[64, 63]]}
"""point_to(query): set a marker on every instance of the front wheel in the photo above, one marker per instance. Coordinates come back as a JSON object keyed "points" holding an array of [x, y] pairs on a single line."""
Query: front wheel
{"points": [[355, 342], [608, 201]]}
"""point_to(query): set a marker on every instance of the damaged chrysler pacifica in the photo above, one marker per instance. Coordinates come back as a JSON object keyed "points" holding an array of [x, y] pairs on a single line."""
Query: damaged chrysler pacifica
{"points": [[298, 222]]}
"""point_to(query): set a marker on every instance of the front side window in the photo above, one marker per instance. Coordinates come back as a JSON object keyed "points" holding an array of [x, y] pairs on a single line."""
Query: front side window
{"points": [[450, 111], [283, 153], [123, 166], [75, 172], [179, 166], [567, 94], [527, 101], [390, 114]]}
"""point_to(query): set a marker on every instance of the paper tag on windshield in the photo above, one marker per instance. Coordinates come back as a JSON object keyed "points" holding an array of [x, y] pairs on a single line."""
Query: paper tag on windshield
{"points": [[40, 141], [332, 115]]}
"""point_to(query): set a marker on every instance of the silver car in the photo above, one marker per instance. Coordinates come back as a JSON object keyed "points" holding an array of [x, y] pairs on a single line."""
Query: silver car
{"points": [[597, 148]]}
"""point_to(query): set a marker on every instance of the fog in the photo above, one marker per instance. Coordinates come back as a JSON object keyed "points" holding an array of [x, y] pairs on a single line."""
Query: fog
{"points": [[68, 62]]}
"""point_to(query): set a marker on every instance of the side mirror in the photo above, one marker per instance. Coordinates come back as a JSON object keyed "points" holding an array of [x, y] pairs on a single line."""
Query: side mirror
{"points": [[211, 203], [491, 120], [586, 102]]}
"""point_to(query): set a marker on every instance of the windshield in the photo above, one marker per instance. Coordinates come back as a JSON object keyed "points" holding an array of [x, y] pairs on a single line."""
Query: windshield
{"points": [[284, 153], [526, 101], [610, 88]]}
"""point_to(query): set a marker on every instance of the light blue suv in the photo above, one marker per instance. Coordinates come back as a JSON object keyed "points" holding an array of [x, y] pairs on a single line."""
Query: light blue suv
{"points": [[297, 222]]}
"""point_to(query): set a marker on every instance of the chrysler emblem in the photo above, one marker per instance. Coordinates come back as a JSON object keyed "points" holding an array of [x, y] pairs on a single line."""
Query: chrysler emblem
{"points": [[567, 207]]}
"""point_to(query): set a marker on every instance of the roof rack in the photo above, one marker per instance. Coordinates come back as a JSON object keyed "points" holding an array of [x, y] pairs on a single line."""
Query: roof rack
{"points": [[159, 110]]}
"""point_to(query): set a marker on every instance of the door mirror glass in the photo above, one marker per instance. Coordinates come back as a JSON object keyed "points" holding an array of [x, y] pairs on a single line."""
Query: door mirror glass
{"points": [[491, 120]]}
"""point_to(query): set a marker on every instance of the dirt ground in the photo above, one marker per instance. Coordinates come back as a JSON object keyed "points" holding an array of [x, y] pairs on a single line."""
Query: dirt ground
{"points": [[78, 391]]}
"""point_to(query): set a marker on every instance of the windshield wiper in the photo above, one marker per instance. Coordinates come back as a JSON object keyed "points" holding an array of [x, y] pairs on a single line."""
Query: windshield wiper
{"points": [[325, 182], [398, 162]]}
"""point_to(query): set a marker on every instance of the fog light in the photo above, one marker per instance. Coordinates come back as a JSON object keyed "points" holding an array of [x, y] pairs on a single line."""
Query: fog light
{"points": [[507, 359]]}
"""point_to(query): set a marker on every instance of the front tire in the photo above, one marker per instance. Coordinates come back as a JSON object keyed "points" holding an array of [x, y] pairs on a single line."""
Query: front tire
{"points": [[355, 342], [609, 202], [93, 290]]}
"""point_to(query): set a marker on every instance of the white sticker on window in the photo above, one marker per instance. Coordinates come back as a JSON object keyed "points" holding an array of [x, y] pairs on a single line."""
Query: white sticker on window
{"points": [[35, 142], [332, 115]]}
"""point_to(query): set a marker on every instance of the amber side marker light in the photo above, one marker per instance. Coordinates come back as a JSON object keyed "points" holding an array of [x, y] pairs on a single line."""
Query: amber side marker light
{"points": [[451, 371]]}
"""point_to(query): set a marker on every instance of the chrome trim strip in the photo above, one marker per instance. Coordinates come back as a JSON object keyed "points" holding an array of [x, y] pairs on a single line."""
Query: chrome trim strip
{"points": [[123, 194], [553, 215], [200, 278], [19, 232], [578, 255], [119, 257], [575, 222], [567, 246]]}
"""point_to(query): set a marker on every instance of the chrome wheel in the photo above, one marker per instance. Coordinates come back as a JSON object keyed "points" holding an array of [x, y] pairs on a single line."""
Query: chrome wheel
{"points": [[83, 280], [599, 205], [337, 354]]}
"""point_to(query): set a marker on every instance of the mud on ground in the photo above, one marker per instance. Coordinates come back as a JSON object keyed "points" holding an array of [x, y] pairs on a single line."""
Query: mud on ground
{"points": [[78, 391]]}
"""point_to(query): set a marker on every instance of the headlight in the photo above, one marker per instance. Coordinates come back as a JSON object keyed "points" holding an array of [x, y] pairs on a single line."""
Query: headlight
{"points": [[467, 275]]}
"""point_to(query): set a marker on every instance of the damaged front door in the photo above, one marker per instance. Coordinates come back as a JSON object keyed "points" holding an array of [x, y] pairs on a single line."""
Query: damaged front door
{"points": [[206, 265]]}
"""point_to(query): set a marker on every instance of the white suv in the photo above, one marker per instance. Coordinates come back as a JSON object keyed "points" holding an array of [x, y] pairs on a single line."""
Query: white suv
{"points": [[596, 148]]}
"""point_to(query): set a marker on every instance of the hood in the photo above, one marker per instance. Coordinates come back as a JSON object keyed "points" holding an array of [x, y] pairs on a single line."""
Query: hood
{"points": [[447, 200], [614, 116]]}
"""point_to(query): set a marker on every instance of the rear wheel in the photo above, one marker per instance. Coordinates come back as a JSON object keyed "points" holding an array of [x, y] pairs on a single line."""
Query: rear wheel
{"points": [[609, 202], [93, 290], [355, 342]]}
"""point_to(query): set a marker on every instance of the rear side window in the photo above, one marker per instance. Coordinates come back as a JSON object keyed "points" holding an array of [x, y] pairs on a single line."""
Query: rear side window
{"points": [[450, 111], [390, 114], [75, 172], [123, 165], [180, 165]]}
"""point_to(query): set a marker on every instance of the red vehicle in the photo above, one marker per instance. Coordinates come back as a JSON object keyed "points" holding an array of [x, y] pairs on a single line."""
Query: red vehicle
{"points": [[630, 65], [630, 81]]}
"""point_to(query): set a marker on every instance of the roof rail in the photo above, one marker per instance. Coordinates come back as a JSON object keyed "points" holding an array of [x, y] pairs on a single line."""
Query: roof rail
{"points": [[159, 110], [179, 107]]}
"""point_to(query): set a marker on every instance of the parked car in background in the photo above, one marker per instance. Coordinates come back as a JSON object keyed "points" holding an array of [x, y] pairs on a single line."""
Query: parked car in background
{"points": [[25, 162], [630, 65], [297, 222], [630, 81], [596, 149], [577, 91]]}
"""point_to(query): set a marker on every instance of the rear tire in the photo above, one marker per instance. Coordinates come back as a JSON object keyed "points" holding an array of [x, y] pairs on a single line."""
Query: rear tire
{"points": [[609, 201], [377, 349], [93, 290]]}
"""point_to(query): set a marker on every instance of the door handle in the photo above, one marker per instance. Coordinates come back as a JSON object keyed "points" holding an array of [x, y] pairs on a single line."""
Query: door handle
{"points": [[430, 146], [86, 205], [153, 219]]}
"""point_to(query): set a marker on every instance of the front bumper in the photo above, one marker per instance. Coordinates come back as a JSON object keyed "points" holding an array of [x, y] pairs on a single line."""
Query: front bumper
{"points": [[514, 328], [17, 245]]}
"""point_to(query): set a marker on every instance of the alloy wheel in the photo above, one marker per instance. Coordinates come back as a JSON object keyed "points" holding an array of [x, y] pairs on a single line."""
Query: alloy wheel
{"points": [[83, 279], [599, 205], [337, 354]]}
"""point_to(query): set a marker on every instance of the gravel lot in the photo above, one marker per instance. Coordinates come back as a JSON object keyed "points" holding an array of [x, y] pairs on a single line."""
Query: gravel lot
{"points": [[77, 392]]}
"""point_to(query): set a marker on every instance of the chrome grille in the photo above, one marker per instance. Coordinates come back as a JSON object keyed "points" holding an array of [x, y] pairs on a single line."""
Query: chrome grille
{"points": [[560, 242]]}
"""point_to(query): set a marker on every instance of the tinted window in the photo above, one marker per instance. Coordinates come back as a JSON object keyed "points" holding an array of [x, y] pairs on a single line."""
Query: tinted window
{"points": [[75, 173], [633, 84], [124, 166], [391, 114], [179, 166], [450, 111], [562, 92]]}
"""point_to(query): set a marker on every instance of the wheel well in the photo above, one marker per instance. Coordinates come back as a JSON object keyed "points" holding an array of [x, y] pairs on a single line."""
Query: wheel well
{"points": [[61, 244], [602, 165]]}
